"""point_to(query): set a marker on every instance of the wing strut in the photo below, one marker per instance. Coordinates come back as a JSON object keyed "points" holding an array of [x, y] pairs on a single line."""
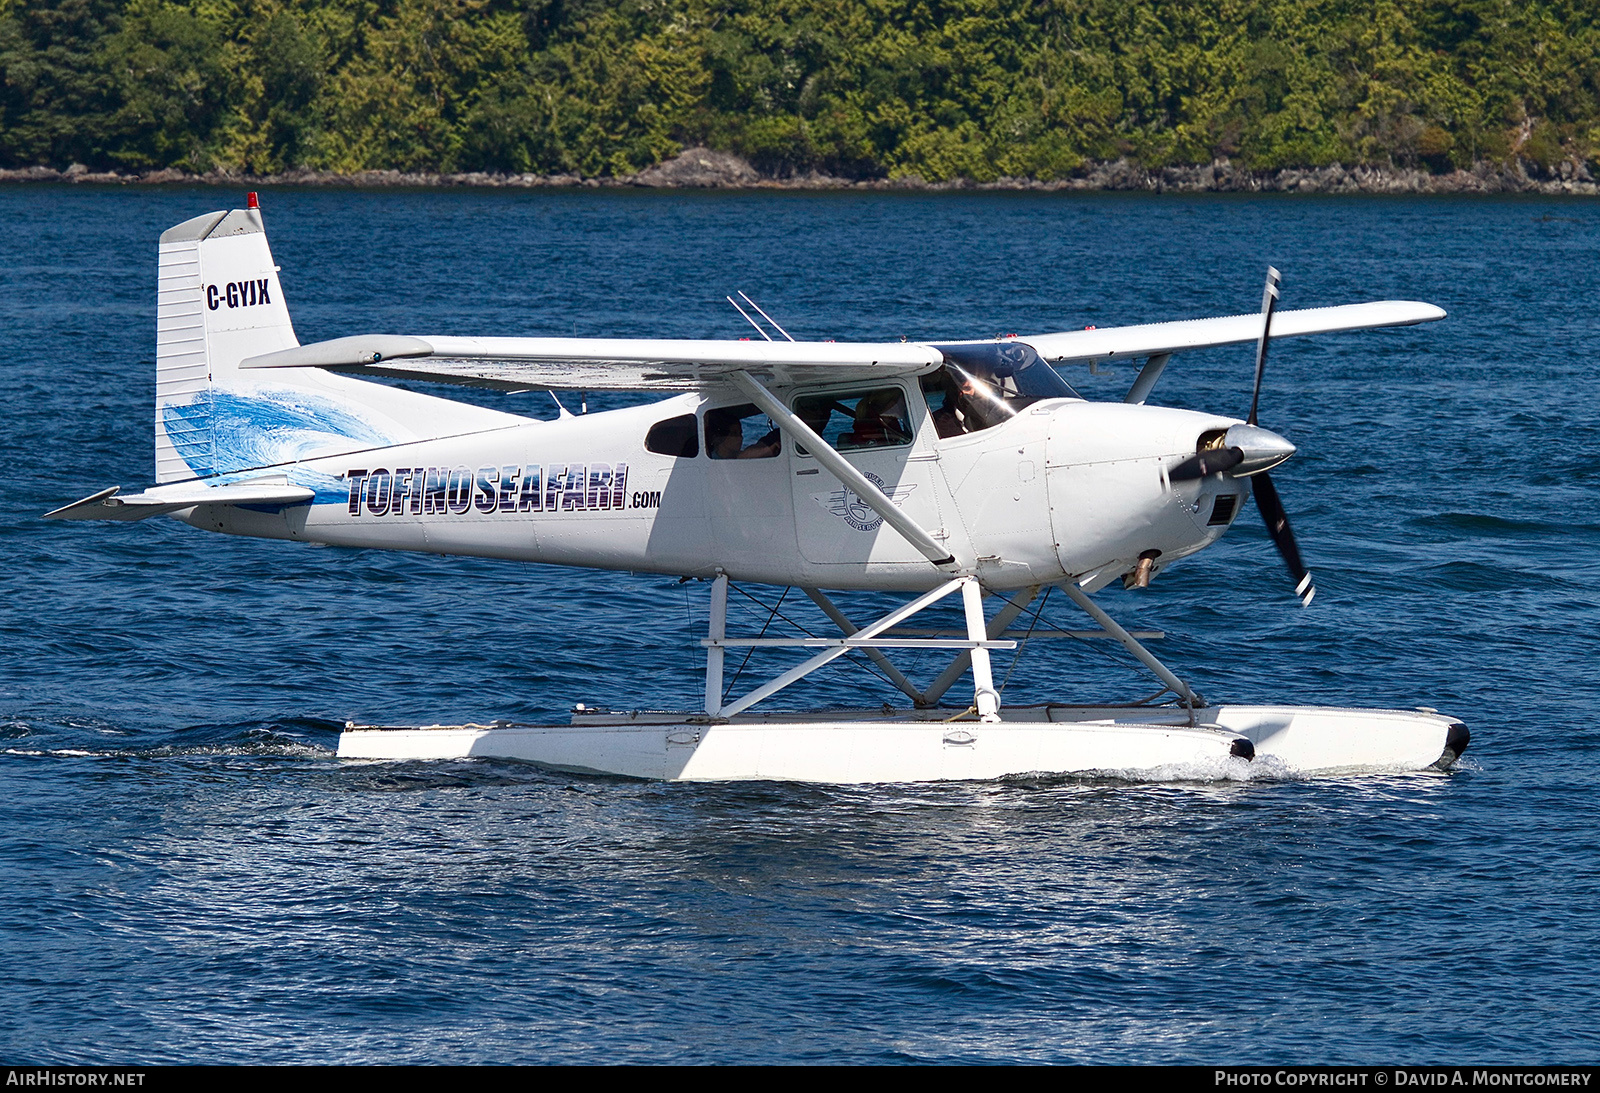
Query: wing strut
{"points": [[1147, 378], [840, 467]]}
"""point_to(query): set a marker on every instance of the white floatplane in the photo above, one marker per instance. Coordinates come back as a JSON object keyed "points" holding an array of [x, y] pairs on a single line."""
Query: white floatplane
{"points": [[963, 469]]}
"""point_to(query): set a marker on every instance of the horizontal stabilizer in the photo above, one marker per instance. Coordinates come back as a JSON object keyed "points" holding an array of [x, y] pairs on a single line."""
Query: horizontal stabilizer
{"points": [[337, 352], [106, 505]]}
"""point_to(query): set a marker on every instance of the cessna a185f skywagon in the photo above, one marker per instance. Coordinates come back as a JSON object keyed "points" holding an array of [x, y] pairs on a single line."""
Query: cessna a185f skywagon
{"points": [[934, 470]]}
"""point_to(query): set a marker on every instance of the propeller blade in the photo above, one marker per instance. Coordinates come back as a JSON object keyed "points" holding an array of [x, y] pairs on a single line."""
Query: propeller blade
{"points": [[1271, 506], [1206, 463], [1269, 301]]}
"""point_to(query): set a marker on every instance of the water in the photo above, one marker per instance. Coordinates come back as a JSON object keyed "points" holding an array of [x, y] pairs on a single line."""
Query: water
{"points": [[191, 876]]}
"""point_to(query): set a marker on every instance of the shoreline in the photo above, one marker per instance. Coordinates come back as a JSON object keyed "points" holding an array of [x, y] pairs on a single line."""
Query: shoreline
{"points": [[700, 168]]}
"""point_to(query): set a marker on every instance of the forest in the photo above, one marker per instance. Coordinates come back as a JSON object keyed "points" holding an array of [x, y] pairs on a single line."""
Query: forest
{"points": [[859, 89]]}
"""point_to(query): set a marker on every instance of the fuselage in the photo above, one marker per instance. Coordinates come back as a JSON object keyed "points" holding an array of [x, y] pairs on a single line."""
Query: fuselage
{"points": [[1059, 489]]}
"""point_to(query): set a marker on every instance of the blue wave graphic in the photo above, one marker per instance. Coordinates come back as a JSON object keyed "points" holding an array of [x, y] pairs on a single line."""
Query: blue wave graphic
{"points": [[221, 432]]}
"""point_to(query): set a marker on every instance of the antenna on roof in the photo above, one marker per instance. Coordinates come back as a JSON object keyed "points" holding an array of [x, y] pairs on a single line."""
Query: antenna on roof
{"points": [[747, 318], [765, 316]]}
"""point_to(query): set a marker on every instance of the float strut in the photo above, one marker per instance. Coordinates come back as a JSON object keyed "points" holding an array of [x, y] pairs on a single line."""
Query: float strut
{"points": [[832, 651], [985, 699], [1014, 606], [1130, 643], [848, 628], [715, 650]]}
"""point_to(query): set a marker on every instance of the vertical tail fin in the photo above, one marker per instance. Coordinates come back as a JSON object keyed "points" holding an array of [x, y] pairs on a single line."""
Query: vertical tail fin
{"points": [[217, 301]]}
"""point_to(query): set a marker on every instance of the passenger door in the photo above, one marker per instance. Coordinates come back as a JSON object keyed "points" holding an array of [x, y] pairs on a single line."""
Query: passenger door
{"points": [[882, 431]]}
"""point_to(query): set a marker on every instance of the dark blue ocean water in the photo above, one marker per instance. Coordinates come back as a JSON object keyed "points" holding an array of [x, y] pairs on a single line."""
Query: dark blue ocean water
{"points": [[189, 875]]}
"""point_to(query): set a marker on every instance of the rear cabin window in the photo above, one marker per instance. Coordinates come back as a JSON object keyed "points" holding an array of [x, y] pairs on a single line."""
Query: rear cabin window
{"points": [[741, 432], [854, 420], [677, 436]]}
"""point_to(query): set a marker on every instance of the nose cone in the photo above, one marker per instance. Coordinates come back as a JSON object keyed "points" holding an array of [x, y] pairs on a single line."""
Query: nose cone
{"points": [[1263, 449]]}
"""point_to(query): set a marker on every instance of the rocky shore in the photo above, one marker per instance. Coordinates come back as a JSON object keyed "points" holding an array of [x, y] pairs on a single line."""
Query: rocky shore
{"points": [[702, 168]]}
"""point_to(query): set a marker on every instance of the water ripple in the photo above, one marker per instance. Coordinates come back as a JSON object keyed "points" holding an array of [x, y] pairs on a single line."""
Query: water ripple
{"points": [[192, 876]]}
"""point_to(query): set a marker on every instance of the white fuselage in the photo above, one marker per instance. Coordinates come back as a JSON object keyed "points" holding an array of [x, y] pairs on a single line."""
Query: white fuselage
{"points": [[1066, 489]]}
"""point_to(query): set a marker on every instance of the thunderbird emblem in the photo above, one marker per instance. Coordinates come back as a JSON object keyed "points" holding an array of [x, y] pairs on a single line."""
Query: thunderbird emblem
{"points": [[849, 507]]}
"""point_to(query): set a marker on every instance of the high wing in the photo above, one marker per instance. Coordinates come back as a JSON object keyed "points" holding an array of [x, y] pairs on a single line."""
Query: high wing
{"points": [[1153, 339], [634, 364], [604, 364]]}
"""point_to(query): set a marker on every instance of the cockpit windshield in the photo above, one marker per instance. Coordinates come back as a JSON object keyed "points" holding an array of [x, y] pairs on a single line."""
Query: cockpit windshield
{"points": [[984, 384]]}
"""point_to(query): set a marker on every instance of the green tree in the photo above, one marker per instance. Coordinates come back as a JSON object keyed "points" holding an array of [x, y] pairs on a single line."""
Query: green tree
{"points": [[54, 91]]}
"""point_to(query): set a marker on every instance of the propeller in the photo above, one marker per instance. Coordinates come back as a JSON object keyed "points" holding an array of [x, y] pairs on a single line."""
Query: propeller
{"points": [[1249, 451], [1271, 508], [1269, 304]]}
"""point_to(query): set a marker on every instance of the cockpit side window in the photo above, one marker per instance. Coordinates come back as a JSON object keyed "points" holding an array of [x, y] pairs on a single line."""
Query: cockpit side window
{"points": [[984, 384], [961, 403], [676, 436], [853, 420]]}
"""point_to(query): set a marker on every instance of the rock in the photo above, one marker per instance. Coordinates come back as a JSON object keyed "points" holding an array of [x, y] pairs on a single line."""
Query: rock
{"points": [[702, 167], [40, 173], [699, 168], [811, 180]]}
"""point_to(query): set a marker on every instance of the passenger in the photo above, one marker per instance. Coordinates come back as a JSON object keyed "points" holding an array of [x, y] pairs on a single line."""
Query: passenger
{"points": [[765, 448], [880, 420], [815, 414], [724, 438]]}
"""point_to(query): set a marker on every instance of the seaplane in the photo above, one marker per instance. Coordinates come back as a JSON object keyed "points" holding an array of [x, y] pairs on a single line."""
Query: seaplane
{"points": [[966, 478]]}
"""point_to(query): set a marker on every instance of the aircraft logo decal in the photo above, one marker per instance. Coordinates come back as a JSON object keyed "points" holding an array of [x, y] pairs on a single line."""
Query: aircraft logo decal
{"points": [[456, 491], [848, 506]]}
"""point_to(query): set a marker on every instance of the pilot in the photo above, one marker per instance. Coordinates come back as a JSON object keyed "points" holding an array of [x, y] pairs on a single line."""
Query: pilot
{"points": [[971, 402], [947, 419]]}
